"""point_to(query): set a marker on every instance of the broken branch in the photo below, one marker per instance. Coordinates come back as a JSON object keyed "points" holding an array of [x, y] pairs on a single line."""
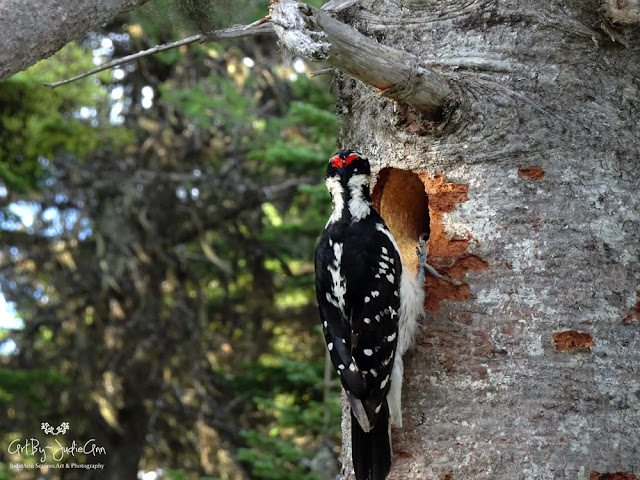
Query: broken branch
{"points": [[313, 34]]}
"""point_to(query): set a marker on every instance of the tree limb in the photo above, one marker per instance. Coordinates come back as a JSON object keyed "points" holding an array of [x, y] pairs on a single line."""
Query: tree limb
{"points": [[311, 33], [35, 29], [128, 58], [621, 13], [236, 31]]}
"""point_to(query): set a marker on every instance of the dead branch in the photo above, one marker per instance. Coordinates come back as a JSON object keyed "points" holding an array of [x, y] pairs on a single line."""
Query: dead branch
{"points": [[313, 34], [236, 31]]}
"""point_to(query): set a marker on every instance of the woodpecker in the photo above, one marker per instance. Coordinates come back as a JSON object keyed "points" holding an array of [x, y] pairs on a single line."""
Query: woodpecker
{"points": [[369, 307]]}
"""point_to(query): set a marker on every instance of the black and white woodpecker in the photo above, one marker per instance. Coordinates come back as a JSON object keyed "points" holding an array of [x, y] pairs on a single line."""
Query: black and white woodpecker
{"points": [[369, 307]]}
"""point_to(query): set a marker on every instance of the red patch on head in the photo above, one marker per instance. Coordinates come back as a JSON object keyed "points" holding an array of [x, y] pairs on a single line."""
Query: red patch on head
{"points": [[350, 159], [339, 162]]}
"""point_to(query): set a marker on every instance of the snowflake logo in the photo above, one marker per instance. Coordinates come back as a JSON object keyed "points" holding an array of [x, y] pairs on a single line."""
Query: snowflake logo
{"points": [[49, 430]]}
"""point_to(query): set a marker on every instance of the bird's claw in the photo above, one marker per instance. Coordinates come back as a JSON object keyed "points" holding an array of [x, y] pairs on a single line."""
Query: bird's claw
{"points": [[423, 266]]}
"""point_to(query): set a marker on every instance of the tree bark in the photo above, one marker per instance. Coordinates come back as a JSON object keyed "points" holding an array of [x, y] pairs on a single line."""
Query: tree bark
{"points": [[399, 75], [530, 369], [35, 29]]}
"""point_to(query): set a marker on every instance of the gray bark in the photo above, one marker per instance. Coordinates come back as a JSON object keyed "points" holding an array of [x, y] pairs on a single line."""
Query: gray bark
{"points": [[399, 75], [531, 370], [35, 29]]}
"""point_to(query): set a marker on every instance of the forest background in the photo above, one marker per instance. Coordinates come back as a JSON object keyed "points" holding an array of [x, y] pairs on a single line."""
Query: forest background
{"points": [[158, 223]]}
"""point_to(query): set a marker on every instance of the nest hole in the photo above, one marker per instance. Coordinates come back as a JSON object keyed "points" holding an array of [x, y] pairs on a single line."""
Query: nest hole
{"points": [[399, 196]]}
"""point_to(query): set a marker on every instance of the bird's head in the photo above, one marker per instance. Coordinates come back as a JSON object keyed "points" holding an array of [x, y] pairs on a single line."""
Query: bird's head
{"points": [[344, 164], [348, 180]]}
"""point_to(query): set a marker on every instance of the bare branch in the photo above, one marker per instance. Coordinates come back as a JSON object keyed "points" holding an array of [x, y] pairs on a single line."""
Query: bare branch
{"points": [[128, 58], [35, 29], [322, 71], [313, 34], [238, 31], [335, 6], [232, 32]]}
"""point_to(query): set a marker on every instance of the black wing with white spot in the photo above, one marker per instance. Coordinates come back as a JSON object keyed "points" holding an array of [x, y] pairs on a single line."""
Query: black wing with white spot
{"points": [[358, 276], [359, 273], [335, 312]]}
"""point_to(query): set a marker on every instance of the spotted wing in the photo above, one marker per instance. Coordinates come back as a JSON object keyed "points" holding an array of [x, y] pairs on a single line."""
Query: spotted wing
{"points": [[360, 277], [375, 311]]}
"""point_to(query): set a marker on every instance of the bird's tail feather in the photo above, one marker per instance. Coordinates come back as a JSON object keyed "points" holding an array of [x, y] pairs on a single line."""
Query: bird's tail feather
{"points": [[372, 450]]}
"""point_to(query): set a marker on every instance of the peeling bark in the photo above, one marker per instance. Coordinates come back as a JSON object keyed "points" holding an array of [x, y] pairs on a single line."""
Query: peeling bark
{"points": [[399, 75], [621, 12], [572, 340]]}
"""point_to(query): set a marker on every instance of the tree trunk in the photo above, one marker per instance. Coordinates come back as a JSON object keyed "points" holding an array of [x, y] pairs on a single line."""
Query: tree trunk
{"points": [[35, 29], [530, 368]]}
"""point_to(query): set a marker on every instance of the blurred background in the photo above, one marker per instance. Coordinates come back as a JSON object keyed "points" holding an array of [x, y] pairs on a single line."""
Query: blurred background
{"points": [[158, 225]]}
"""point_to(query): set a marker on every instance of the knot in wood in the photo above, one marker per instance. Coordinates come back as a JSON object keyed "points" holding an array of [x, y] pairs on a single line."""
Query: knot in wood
{"points": [[298, 32]]}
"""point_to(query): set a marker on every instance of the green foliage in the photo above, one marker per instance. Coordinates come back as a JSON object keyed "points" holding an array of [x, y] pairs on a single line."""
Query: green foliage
{"points": [[295, 143], [181, 474], [295, 156], [5, 474], [275, 375], [290, 392], [207, 100], [41, 122], [31, 385], [274, 459], [285, 386], [209, 294]]}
